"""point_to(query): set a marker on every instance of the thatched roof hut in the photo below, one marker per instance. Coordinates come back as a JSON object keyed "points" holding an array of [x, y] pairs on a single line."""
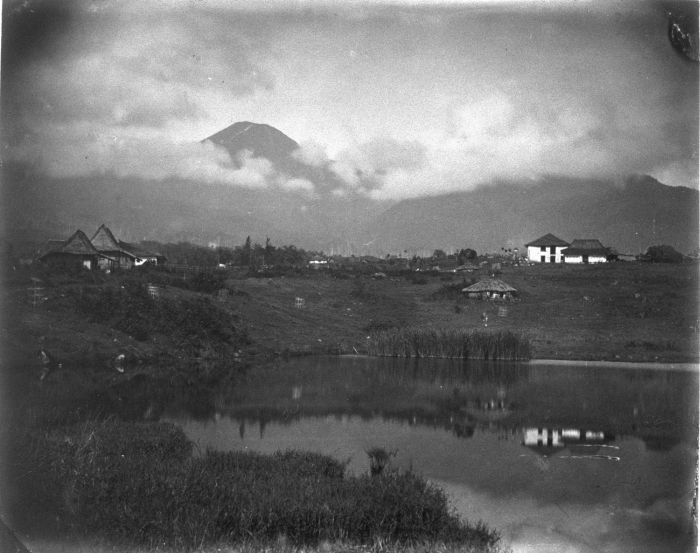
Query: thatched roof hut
{"points": [[107, 244], [77, 250], [490, 288]]}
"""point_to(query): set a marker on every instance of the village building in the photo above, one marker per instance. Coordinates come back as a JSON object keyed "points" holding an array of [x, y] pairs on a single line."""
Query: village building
{"points": [[142, 256], [77, 251], [105, 242], [546, 249], [587, 251], [490, 288], [318, 262]]}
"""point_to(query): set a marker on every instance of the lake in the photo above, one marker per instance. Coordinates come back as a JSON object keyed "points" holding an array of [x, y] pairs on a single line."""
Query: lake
{"points": [[556, 457]]}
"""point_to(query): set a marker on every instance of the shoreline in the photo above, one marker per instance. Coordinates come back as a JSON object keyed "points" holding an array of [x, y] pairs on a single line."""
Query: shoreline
{"points": [[618, 364], [566, 362]]}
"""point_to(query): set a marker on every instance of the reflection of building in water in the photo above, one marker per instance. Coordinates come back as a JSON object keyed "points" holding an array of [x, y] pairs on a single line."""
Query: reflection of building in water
{"points": [[580, 443]]}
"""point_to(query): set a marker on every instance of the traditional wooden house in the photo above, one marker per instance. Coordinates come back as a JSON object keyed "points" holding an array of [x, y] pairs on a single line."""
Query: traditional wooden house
{"points": [[105, 242], [142, 256], [546, 249], [490, 288], [77, 251], [587, 251]]}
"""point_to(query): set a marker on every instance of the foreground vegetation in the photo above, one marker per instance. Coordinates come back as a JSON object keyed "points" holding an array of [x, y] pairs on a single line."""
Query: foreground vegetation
{"points": [[139, 484], [451, 343]]}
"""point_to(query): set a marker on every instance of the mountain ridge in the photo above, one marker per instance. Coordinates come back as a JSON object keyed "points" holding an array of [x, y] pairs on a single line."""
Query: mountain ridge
{"points": [[628, 216]]}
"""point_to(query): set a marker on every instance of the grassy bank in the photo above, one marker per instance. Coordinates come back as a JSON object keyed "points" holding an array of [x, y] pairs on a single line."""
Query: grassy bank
{"points": [[139, 484], [448, 343]]}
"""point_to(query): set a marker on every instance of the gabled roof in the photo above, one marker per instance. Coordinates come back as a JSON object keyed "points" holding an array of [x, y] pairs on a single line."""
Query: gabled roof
{"points": [[547, 240], [136, 250], [105, 241], [588, 246], [77, 244], [490, 285]]}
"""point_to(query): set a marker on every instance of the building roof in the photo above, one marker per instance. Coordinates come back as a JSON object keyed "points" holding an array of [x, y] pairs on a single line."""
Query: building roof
{"points": [[105, 241], [588, 246], [490, 285], [547, 240], [137, 250], [77, 244]]}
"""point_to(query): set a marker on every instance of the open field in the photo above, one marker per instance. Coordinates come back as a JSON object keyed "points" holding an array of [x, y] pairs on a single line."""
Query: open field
{"points": [[622, 311]]}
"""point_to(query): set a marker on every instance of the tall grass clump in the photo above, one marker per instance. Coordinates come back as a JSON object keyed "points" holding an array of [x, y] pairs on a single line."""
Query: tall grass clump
{"points": [[138, 484], [466, 344]]}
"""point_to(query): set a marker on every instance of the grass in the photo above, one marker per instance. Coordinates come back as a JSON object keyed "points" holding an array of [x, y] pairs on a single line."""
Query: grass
{"points": [[139, 484], [448, 343]]}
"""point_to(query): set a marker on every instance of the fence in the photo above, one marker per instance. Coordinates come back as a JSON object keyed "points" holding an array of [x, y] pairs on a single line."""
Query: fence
{"points": [[36, 295]]}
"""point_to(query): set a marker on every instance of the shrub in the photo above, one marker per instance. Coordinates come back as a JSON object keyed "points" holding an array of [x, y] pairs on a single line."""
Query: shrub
{"points": [[197, 325], [137, 483]]}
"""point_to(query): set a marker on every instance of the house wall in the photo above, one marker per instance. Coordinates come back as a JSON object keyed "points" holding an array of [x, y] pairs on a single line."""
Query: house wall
{"points": [[67, 262], [542, 436], [579, 259], [545, 254], [573, 259]]}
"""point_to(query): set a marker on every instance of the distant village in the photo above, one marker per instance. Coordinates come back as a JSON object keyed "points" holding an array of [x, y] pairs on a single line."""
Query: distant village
{"points": [[104, 251]]}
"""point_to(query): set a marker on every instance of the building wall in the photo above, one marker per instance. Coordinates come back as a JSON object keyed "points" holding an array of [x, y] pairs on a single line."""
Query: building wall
{"points": [[545, 254], [591, 259]]}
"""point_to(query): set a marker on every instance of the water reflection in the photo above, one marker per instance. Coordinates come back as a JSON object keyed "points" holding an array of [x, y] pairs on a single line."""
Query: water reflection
{"points": [[658, 407], [597, 459]]}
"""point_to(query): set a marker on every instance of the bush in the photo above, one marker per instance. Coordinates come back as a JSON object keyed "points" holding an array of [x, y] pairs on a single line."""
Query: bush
{"points": [[197, 325], [137, 483]]}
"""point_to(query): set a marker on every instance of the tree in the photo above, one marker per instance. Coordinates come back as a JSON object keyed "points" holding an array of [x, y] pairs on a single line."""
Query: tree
{"points": [[663, 254], [466, 254], [247, 252]]}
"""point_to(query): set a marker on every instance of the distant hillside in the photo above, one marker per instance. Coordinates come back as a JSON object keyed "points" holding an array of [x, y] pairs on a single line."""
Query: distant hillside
{"points": [[628, 217]]}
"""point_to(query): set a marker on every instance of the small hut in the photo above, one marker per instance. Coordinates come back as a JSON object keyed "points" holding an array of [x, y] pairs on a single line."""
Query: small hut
{"points": [[490, 288]]}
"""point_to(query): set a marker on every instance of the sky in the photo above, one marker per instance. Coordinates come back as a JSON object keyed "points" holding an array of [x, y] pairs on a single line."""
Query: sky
{"points": [[426, 97]]}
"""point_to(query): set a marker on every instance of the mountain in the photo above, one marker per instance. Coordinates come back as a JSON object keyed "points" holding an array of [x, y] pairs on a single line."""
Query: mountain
{"points": [[260, 139], [628, 216]]}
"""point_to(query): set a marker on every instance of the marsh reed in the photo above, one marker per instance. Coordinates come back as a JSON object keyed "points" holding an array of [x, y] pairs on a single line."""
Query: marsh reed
{"points": [[448, 343]]}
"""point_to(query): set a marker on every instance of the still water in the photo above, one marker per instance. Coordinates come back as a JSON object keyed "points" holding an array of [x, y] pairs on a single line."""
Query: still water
{"points": [[557, 458]]}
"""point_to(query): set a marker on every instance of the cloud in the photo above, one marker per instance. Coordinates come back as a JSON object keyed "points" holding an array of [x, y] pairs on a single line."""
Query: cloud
{"points": [[402, 100], [85, 150], [103, 67], [297, 185], [369, 164], [312, 153]]}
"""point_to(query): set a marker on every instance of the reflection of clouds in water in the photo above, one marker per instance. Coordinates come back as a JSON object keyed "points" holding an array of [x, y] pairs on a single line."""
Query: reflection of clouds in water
{"points": [[530, 526]]}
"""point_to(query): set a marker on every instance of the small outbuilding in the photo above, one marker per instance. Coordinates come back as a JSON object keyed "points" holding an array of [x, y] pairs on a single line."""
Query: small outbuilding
{"points": [[490, 289]]}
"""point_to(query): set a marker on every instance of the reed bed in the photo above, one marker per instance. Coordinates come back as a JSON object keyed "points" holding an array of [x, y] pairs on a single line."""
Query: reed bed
{"points": [[138, 484], [448, 343]]}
